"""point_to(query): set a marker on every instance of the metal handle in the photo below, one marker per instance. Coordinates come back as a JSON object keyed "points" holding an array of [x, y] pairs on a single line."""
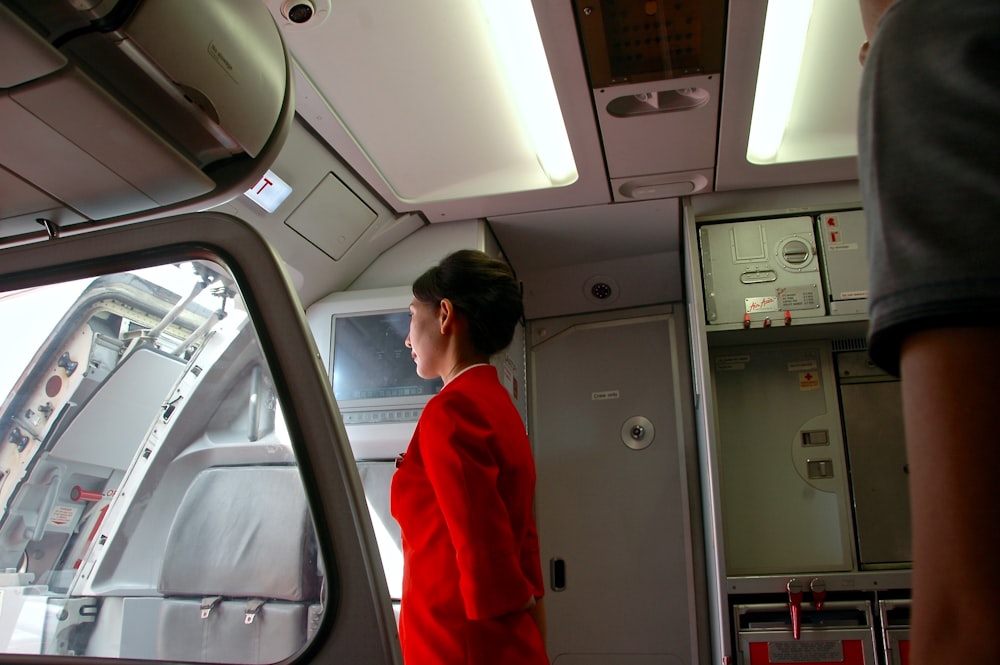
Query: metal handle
{"points": [[818, 588], [557, 574], [794, 588]]}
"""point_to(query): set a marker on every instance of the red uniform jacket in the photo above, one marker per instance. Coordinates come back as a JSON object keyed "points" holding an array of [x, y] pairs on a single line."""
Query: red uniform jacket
{"points": [[463, 496]]}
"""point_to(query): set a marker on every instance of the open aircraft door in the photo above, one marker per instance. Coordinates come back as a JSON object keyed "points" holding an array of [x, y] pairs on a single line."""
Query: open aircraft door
{"points": [[227, 523]]}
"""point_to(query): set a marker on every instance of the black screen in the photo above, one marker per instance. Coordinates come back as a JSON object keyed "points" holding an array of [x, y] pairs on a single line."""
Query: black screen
{"points": [[370, 360]]}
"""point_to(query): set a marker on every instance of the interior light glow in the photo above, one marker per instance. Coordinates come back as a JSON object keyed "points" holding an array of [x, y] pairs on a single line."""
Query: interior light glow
{"points": [[785, 28], [390, 552], [519, 46]]}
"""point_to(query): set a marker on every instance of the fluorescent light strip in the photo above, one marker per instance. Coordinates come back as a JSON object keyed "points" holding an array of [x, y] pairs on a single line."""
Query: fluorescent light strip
{"points": [[519, 45], [785, 29]]}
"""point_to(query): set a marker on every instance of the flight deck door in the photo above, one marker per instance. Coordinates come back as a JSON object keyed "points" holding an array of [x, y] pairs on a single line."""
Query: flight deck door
{"points": [[614, 446]]}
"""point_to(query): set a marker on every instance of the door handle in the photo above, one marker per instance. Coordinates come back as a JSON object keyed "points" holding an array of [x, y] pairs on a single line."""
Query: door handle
{"points": [[557, 574]]}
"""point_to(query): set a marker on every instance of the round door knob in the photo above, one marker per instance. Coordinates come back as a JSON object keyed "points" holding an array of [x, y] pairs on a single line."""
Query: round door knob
{"points": [[638, 432]]}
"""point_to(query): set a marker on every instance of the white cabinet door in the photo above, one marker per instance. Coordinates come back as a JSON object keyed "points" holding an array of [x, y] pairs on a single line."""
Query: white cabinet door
{"points": [[614, 445]]}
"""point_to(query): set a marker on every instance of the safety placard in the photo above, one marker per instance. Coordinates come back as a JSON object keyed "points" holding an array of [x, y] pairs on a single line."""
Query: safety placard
{"points": [[808, 381], [62, 515], [798, 297]]}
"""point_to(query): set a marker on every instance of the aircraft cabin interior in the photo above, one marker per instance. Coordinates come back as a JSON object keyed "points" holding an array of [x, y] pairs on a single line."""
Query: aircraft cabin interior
{"points": [[211, 215]]}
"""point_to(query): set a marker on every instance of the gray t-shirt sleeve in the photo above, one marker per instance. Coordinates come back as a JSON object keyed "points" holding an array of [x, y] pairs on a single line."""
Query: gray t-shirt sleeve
{"points": [[929, 164]]}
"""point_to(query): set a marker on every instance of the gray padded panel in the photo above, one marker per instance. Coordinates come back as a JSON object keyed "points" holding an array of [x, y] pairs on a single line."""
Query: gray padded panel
{"points": [[277, 632], [120, 411], [242, 532], [139, 620]]}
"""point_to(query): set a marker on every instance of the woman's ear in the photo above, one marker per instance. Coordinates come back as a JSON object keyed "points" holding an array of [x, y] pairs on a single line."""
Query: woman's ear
{"points": [[446, 315]]}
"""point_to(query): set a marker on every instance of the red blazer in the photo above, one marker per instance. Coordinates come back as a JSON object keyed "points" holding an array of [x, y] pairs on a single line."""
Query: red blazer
{"points": [[463, 496]]}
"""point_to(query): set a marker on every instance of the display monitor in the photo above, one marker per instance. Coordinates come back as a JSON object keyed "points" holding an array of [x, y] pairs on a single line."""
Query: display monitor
{"points": [[361, 338], [372, 367]]}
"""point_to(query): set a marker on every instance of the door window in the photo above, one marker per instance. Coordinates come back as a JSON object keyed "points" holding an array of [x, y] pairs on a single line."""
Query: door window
{"points": [[151, 501]]}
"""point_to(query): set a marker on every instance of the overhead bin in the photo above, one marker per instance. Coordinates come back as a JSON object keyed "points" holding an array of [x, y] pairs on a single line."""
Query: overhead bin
{"points": [[106, 113]]}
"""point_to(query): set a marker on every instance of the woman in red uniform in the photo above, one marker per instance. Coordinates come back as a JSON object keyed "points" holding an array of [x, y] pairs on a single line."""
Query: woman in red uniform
{"points": [[463, 494]]}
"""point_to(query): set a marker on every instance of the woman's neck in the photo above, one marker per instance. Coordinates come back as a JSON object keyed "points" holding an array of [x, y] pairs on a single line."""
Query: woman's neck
{"points": [[462, 365]]}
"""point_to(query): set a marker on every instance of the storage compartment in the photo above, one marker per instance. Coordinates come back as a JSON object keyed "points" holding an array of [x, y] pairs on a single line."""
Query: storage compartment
{"points": [[841, 632], [783, 477], [844, 245], [761, 273], [895, 620], [876, 449], [109, 114]]}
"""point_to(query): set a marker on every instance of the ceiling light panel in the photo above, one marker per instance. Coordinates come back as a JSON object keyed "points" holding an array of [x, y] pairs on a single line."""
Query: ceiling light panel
{"points": [[806, 95], [424, 89]]}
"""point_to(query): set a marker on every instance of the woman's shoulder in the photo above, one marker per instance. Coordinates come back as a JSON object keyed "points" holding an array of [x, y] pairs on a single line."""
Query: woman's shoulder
{"points": [[473, 388]]}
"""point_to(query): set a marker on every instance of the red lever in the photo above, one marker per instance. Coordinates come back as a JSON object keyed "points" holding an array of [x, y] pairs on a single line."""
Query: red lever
{"points": [[746, 320], [795, 605], [80, 494], [788, 318], [818, 588]]}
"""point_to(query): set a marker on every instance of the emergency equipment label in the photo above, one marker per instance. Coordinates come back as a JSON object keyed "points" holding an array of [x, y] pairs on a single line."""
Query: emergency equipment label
{"points": [[808, 381], [798, 297]]}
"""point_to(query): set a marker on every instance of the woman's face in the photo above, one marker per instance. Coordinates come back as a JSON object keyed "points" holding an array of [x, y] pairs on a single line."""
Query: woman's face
{"points": [[425, 340]]}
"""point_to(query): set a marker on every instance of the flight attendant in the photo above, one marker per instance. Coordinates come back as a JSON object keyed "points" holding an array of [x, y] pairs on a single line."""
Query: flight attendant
{"points": [[464, 491]]}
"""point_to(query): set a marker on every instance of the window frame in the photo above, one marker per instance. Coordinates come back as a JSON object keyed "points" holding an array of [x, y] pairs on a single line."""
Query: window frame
{"points": [[358, 625]]}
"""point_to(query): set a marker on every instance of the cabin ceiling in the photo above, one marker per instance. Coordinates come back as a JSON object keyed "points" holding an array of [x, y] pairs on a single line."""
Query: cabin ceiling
{"points": [[632, 169], [398, 109]]}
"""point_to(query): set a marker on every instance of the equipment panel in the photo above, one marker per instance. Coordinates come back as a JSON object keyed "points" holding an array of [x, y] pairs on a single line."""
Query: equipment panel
{"points": [[759, 273], [845, 261]]}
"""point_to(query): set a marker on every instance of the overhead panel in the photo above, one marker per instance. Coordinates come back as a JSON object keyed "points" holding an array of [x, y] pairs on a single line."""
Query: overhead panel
{"points": [[105, 114], [332, 217], [654, 70]]}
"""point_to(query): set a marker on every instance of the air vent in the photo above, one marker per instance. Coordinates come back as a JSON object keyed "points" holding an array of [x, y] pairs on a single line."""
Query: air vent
{"points": [[850, 344]]}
